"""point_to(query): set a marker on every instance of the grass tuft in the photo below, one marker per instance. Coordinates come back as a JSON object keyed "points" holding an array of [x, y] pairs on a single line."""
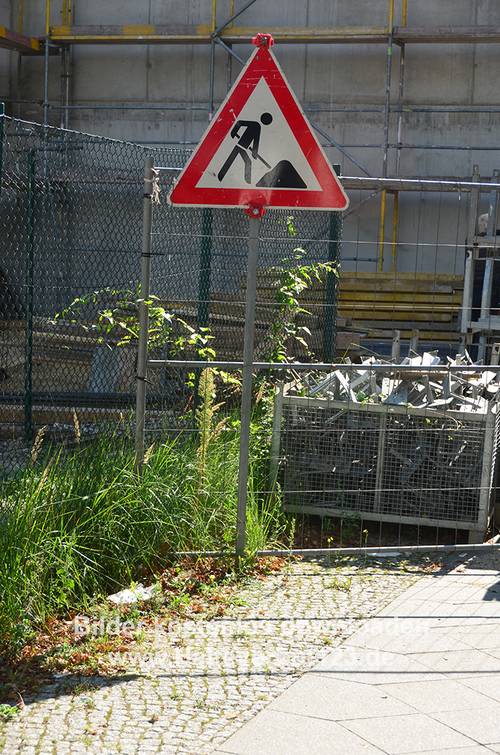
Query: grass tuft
{"points": [[84, 524]]}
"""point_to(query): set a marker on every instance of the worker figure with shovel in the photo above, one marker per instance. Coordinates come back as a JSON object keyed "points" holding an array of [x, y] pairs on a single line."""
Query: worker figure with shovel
{"points": [[248, 144]]}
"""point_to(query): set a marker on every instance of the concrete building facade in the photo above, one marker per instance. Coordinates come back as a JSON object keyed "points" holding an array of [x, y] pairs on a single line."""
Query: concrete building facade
{"points": [[442, 121]]}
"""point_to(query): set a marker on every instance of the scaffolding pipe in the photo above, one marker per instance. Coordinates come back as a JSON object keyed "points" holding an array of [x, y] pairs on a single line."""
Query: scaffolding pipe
{"points": [[67, 94], [232, 18], [381, 230], [404, 13], [319, 108], [399, 136], [388, 76], [139, 106], [395, 208], [20, 16], [229, 50], [333, 143], [64, 13], [390, 20], [65, 86], [47, 18], [213, 21], [402, 60], [211, 79], [46, 83], [308, 109], [395, 227]]}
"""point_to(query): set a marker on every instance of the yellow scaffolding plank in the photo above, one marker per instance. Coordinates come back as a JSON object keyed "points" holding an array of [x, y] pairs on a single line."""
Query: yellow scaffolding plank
{"points": [[398, 298], [12, 40], [131, 34], [201, 34]]}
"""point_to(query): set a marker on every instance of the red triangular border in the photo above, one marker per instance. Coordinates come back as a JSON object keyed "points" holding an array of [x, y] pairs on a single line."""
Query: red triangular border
{"points": [[262, 64]]}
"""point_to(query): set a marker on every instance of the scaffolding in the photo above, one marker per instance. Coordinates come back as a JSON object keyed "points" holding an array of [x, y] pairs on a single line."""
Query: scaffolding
{"points": [[395, 34]]}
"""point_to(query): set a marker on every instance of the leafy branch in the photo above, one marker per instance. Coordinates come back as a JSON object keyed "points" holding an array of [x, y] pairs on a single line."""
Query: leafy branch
{"points": [[293, 282], [112, 316]]}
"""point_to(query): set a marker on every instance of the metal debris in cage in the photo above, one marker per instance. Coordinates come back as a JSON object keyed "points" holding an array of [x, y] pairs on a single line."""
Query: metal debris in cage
{"points": [[463, 392], [405, 446]]}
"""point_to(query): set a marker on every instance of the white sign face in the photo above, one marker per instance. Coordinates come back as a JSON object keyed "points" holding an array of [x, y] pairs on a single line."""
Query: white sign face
{"points": [[260, 151]]}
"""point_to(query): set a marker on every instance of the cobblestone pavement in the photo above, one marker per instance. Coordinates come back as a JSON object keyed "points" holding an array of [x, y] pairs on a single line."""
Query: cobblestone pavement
{"points": [[187, 690]]}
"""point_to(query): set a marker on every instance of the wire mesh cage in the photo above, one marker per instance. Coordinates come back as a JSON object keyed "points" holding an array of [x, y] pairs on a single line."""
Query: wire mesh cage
{"points": [[387, 463]]}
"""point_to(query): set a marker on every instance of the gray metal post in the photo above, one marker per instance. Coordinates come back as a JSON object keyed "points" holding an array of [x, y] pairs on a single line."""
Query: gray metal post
{"points": [[246, 390], [46, 54], [467, 314], [142, 351], [276, 435], [29, 299], [488, 272], [414, 338], [396, 346], [485, 313], [330, 306]]}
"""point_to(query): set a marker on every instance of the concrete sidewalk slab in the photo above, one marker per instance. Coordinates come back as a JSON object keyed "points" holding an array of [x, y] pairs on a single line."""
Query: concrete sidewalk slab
{"points": [[372, 666], [437, 696], [406, 734], [485, 636], [336, 699], [392, 636], [481, 724], [487, 685], [272, 732], [459, 662], [422, 676]]}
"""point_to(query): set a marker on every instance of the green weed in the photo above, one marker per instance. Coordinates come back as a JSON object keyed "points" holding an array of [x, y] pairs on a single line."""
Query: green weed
{"points": [[84, 524], [8, 711]]}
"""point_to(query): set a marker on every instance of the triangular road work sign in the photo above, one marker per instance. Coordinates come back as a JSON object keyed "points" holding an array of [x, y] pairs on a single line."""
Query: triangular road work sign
{"points": [[259, 150]]}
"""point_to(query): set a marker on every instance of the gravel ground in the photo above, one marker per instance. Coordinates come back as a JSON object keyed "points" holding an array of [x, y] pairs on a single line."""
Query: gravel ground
{"points": [[189, 688]]}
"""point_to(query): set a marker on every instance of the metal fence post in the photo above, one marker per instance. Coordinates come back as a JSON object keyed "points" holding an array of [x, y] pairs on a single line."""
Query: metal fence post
{"points": [[330, 306], [246, 390], [2, 129], [142, 350], [28, 300], [276, 435]]}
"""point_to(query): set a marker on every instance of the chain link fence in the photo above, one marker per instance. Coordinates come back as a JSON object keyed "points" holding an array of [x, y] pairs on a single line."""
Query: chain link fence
{"points": [[71, 214], [346, 469]]}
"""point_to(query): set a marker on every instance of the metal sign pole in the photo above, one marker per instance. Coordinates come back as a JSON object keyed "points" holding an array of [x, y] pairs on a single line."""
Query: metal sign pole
{"points": [[246, 390], [142, 351]]}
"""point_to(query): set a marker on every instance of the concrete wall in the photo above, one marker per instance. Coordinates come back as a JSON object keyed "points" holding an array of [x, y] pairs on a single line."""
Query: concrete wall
{"points": [[432, 229]]}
